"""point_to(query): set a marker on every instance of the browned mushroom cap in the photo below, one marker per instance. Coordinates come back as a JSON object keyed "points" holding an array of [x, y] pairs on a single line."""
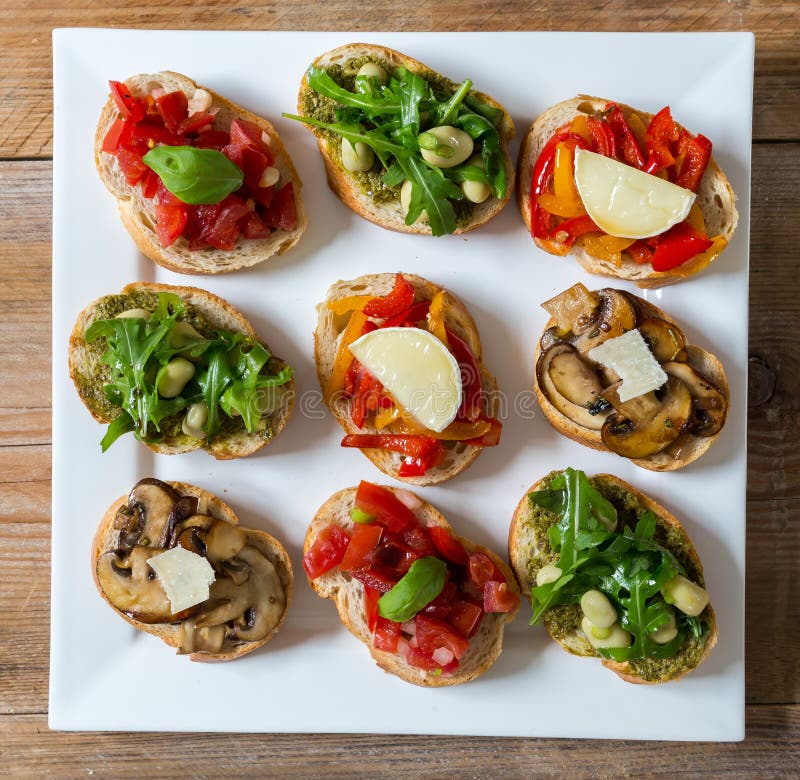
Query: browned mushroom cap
{"points": [[571, 385], [709, 405], [153, 500], [614, 315], [573, 309], [224, 541], [649, 436], [200, 640], [133, 588], [666, 341]]}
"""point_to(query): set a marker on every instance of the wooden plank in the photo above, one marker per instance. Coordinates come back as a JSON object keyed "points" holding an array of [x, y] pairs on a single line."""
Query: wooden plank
{"points": [[30, 749], [26, 113]]}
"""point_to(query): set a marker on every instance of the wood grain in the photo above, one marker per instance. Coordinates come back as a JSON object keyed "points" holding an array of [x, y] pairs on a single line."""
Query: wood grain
{"points": [[28, 749], [25, 112]]}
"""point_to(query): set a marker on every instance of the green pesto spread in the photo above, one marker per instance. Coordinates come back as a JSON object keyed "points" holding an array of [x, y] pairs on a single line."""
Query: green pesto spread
{"points": [[370, 182], [90, 384], [565, 619]]}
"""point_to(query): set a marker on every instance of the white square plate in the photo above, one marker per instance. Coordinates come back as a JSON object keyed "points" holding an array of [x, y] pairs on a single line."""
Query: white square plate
{"points": [[316, 677]]}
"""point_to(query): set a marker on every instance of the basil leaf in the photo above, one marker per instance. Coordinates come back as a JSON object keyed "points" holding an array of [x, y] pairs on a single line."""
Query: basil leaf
{"points": [[419, 586], [193, 175]]}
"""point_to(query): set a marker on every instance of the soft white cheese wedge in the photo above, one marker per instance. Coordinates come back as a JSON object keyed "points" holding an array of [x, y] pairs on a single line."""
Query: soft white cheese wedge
{"points": [[417, 369], [627, 202], [184, 575], [633, 361]]}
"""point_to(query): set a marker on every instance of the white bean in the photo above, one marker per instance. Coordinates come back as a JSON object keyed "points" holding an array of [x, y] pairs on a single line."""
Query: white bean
{"points": [[405, 200], [129, 314], [375, 71], [183, 334], [195, 418], [357, 157], [614, 636], [457, 140], [667, 632], [598, 609], [688, 597], [548, 573], [174, 377]]}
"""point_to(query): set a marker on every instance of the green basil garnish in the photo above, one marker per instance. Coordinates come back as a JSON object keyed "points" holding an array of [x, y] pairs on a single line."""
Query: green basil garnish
{"points": [[195, 175], [421, 584]]}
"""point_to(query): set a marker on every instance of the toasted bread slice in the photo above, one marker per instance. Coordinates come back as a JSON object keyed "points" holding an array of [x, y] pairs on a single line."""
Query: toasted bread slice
{"points": [[688, 447], [457, 318], [89, 373], [138, 213], [529, 550], [208, 504], [348, 595], [714, 195], [389, 213]]}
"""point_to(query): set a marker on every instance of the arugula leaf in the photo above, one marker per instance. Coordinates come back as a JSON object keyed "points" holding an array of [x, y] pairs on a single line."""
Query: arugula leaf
{"points": [[121, 425], [321, 82], [213, 382], [430, 191]]}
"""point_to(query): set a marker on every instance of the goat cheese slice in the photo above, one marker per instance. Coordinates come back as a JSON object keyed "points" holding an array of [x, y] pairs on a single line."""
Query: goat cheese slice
{"points": [[184, 575], [417, 369], [626, 202], [633, 361]]}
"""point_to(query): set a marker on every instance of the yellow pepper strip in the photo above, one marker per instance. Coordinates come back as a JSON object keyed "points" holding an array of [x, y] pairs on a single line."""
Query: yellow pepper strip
{"points": [[456, 431], [580, 126], [565, 200], [436, 317], [638, 129], [343, 357], [386, 416], [560, 208], [695, 219], [605, 247], [351, 303]]}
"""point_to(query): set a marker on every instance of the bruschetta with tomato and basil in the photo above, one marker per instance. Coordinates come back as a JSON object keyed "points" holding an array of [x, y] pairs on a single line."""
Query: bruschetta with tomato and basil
{"points": [[429, 605]]}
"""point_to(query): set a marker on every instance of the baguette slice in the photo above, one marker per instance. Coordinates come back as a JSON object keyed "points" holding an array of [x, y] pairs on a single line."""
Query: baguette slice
{"points": [[271, 548], [138, 213], [348, 595], [529, 550], [457, 318], [88, 372], [390, 214], [714, 196], [684, 450]]}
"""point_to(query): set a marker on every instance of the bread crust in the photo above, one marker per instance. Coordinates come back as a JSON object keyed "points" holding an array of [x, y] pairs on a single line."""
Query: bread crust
{"points": [[217, 312], [523, 545], [687, 448], [138, 213], [218, 509], [714, 196], [457, 318], [391, 215], [347, 594]]}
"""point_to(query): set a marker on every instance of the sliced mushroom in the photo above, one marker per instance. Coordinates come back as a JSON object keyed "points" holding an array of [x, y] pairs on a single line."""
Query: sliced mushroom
{"points": [[192, 539], [184, 507], [154, 499], [226, 601], [638, 410], [237, 570], [201, 522], [631, 440], [579, 414], [576, 380], [665, 340], [133, 588], [549, 338], [128, 523], [612, 318], [573, 310], [200, 640], [709, 405], [224, 541]]}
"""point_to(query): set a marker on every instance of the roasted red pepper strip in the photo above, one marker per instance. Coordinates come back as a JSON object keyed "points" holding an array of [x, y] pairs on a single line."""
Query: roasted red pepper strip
{"points": [[661, 133], [677, 245], [603, 141], [628, 149], [366, 397], [489, 439], [640, 252], [472, 388], [399, 299], [418, 467], [696, 152], [411, 316], [409, 444], [567, 232]]}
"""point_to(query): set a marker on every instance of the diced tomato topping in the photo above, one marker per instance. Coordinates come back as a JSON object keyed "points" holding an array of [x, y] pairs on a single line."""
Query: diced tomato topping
{"points": [[174, 108], [362, 546], [195, 122], [282, 211], [384, 506], [480, 568], [145, 136], [327, 551], [442, 605], [498, 598], [131, 165], [170, 222], [254, 227], [417, 658], [399, 299], [387, 635], [213, 139], [220, 222], [375, 577], [117, 135], [417, 539], [448, 546], [433, 634], [254, 164], [129, 106], [246, 133], [371, 597], [465, 617], [150, 182]]}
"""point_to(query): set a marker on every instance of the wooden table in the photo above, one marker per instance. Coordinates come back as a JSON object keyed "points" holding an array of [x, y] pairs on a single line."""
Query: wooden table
{"points": [[28, 748]]}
